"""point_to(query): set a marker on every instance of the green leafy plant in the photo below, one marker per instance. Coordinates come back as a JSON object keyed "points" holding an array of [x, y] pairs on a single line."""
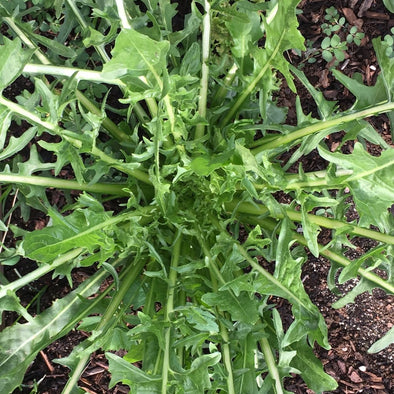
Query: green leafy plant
{"points": [[389, 4], [194, 239], [338, 35], [388, 43], [354, 36], [333, 47], [334, 22]]}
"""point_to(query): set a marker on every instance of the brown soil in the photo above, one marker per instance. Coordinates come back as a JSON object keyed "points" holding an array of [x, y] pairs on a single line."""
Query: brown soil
{"points": [[352, 329]]}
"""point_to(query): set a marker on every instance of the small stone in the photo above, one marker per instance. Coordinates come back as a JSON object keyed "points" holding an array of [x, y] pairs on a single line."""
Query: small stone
{"points": [[362, 368]]}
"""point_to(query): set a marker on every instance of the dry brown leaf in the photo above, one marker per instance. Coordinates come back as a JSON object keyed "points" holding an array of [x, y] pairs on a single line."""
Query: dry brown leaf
{"points": [[352, 18], [355, 378]]}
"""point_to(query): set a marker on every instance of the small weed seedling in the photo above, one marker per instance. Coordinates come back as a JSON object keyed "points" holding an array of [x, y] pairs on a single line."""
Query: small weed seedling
{"points": [[338, 35], [388, 43]]}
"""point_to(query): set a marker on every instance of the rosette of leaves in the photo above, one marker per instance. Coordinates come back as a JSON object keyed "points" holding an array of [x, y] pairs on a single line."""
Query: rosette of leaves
{"points": [[195, 243]]}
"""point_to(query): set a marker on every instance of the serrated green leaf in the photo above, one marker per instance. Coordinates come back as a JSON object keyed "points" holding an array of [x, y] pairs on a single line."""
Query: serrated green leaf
{"points": [[149, 325], [5, 121], [13, 59], [66, 154], [308, 320], [351, 270], [365, 95], [325, 107], [11, 302], [362, 286], [198, 378], [112, 271], [241, 308], [136, 54], [126, 373], [311, 368], [245, 361], [20, 343], [84, 228], [16, 144], [386, 63], [34, 163], [245, 32], [371, 183], [282, 33], [205, 165], [200, 319]]}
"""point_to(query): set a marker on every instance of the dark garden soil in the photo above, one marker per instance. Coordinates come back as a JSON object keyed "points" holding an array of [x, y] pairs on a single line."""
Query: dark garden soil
{"points": [[352, 329]]}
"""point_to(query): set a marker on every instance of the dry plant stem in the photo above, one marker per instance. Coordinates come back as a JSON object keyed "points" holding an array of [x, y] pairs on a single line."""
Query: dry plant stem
{"points": [[47, 362]]}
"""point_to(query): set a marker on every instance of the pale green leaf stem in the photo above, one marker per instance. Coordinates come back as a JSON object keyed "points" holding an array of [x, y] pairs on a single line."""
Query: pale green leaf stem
{"points": [[99, 48], [227, 358], [47, 67], [39, 272], [323, 251], [296, 135], [272, 368], [122, 14], [206, 46], [260, 210], [129, 275], [103, 188], [250, 88], [215, 277], [226, 85], [315, 179], [77, 73], [40, 56], [172, 279], [18, 109]]}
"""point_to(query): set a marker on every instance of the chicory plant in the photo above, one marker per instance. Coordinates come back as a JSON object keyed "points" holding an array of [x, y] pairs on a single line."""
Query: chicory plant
{"points": [[163, 120]]}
